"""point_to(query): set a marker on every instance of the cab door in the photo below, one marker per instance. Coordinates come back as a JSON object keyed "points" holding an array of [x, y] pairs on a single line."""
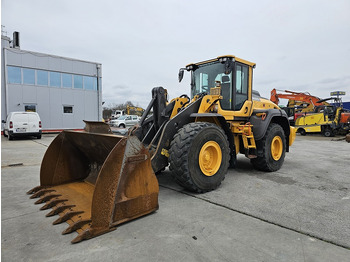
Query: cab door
{"points": [[236, 100]]}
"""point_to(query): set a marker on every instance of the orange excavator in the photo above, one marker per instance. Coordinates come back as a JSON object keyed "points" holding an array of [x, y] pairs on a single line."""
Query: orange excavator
{"points": [[298, 102], [295, 97]]}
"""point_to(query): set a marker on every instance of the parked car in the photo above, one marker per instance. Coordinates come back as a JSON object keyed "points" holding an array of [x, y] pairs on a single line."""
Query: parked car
{"points": [[20, 124], [125, 121]]}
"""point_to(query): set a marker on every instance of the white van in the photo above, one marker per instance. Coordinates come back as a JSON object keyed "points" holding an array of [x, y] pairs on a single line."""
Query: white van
{"points": [[19, 124]]}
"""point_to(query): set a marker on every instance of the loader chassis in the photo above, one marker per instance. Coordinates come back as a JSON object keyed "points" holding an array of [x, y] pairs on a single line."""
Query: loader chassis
{"points": [[199, 136]]}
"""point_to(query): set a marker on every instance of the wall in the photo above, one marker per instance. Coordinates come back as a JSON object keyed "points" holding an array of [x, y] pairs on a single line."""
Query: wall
{"points": [[50, 100]]}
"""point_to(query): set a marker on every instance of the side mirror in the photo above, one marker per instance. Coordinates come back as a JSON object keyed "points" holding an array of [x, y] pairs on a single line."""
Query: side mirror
{"points": [[181, 74], [3, 121], [228, 66]]}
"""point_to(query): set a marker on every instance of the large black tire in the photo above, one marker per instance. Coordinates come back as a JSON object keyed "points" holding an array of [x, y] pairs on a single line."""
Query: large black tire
{"points": [[4, 133], [271, 160], [185, 152]]}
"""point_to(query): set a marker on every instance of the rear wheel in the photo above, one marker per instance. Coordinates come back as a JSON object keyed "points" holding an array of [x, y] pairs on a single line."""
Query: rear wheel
{"points": [[4, 134], [273, 147], [328, 132], [199, 156], [10, 137], [122, 126]]}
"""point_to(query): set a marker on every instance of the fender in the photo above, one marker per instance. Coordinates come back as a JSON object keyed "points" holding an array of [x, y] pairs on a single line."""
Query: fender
{"points": [[261, 119]]}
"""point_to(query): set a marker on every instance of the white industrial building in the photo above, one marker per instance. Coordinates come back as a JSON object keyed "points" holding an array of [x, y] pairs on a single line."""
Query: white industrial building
{"points": [[63, 91]]}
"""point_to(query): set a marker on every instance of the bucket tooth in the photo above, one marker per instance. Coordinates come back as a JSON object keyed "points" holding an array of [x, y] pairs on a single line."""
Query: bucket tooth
{"points": [[59, 209], [82, 236], [53, 203], [46, 198], [66, 216], [41, 192], [35, 189], [76, 225]]}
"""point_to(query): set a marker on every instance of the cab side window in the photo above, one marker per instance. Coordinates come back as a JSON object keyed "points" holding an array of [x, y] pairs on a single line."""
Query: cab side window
{"points": [[241, 86], [226, 91]]}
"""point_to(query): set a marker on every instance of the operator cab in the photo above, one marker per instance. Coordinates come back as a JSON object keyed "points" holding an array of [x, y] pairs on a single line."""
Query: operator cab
{"points": [[329, 110], [229, 73]]}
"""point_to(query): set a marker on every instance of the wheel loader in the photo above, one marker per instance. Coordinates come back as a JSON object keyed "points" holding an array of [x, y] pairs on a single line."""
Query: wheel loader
{"points": [[95, 180]]}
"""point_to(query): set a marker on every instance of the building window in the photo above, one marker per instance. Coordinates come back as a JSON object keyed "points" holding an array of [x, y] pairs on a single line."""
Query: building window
{"points": [[14, 75], [95, 83], [28, 76], [42, 78], [78, 81], [55, 79], [67, 80], [30, 108], [89, 82], [68, 109]]}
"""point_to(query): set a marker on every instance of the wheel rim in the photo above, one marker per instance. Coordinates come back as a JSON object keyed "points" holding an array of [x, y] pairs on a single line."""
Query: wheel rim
{"points": [[210, 158], [276, 148]]}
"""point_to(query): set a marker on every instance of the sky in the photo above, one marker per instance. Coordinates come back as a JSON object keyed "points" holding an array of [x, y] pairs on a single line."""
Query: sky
{"points": [[299, 45]]}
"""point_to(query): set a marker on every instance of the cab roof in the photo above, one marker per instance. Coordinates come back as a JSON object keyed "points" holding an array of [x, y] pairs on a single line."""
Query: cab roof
{"points": [[224, 56]]}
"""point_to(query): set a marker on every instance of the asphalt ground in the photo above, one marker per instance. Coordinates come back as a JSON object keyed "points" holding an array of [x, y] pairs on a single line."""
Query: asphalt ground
{"points": [[299, 213]]}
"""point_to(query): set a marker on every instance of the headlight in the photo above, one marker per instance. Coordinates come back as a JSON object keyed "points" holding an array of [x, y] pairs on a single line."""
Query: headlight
{"points": [[222, 59]]}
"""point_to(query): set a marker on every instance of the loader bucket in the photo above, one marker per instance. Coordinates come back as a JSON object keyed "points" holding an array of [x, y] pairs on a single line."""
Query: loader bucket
{"points": [[96, 181]]}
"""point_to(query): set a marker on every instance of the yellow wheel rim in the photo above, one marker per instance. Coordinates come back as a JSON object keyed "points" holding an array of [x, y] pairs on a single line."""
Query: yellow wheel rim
{"points": [[210, 158], [276, 148]]}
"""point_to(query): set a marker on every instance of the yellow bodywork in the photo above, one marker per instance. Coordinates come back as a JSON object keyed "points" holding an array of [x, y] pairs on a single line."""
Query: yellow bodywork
{"points": [[240, 129], [313, 122]]}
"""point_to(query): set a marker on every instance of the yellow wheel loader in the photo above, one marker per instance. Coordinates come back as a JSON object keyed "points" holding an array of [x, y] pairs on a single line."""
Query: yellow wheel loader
{"points": [[95, 180]]}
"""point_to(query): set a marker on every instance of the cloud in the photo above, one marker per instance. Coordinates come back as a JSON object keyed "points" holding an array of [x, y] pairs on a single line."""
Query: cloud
{"points": [[142, 44]]}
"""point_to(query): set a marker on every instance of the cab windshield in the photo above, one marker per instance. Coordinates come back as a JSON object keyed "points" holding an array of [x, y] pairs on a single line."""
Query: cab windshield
{"points": [[205, 76], [234, 86]]}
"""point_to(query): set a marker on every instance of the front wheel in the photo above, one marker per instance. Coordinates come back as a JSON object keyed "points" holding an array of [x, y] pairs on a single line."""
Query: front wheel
{"points": [[273, 149], [199, 156], [302, 131]]}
